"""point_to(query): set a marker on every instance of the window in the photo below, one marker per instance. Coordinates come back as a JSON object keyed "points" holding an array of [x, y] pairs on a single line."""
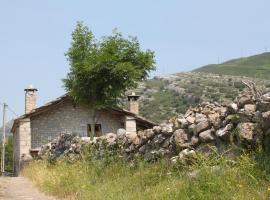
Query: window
{"points": [[98, 131]]}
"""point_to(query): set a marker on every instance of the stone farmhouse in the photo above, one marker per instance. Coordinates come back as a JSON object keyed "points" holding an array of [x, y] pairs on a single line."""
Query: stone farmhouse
{"points": [[39, 126]]}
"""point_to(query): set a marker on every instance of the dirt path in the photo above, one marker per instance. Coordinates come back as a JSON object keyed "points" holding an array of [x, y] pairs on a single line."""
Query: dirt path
{"points": [[19, 188]]}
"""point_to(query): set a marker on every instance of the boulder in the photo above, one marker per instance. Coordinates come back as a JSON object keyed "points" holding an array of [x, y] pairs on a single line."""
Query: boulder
{"points": [[200, 118], [266, 97], [182, 122], [194, 141], [245, 99], [167, 129], [186, 153], [202, 126], [133, 138], [233, 108], [224, 132], [180, 137], [191, 128], [246, 131], [206, 136], [250, 108], [121, 133], [190, 119], [157, 129]]}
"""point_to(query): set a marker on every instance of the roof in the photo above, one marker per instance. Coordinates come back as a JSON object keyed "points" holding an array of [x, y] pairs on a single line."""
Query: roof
{"points": [[65, 97]]}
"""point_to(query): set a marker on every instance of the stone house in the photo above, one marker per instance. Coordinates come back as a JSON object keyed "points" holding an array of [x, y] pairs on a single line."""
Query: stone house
{"points": [[39, 126]]}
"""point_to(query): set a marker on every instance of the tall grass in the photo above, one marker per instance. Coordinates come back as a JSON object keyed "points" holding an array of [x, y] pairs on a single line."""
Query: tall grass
{"points": [[213, 178]]}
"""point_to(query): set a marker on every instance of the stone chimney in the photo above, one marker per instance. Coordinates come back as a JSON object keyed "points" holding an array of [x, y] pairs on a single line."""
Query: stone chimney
{"points": [[30, 98], [133, 103]]}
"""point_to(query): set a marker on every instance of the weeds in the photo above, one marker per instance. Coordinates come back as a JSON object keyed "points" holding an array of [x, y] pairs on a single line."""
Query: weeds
{"points": [[214, 177]]}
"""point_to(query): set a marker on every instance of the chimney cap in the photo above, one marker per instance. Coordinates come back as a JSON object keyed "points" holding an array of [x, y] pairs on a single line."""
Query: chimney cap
{"points": [[133, 96], [30, 88]]}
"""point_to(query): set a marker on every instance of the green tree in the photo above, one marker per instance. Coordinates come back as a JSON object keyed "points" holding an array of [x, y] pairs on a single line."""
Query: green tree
{"points": [[101, 71], [8, 154]]}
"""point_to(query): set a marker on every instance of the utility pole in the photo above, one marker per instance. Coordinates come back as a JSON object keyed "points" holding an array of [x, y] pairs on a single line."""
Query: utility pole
{"points": [[3, 140]]}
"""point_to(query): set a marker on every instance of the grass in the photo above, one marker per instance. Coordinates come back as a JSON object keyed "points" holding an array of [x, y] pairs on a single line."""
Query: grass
{"points": [[215, 178], [257, 66]]}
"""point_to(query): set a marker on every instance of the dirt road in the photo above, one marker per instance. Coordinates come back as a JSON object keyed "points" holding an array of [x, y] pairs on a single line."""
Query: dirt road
{"points": [[19, 188]]}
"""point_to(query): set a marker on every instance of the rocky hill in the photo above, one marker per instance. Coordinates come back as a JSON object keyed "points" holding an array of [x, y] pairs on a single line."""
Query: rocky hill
{"points": [[257, 66], [164, 96]]}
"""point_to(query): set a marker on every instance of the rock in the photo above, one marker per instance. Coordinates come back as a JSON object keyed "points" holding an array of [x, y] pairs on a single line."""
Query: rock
{"points": [[167, 129], [250, 108], [121, 133], [110, 139], [183, 123], [200, 118], [202, 126], [186, 153], [233, 108], [158, 140], [246, 131], [86, 139], [257, 117], [190, 119], [133, 138], [266, 115], [267, 133], [26, 158], [180, 137], [224, 133], [245, 99], [206, 136], [191, 128], [266, 97], [263, 106], [213, 118], [157, 129], [194, 141]]}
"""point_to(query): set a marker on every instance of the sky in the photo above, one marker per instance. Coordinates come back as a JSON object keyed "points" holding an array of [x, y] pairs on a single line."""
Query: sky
{"points": [[184, 34]]}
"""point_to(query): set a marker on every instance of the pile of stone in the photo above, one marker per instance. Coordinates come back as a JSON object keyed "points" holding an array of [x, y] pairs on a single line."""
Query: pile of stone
{"points": [[208, 127], [65, 144]]}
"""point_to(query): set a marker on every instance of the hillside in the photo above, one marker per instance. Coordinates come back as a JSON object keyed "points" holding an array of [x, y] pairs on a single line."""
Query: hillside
{"points": [[165, 96], [257, 66]]}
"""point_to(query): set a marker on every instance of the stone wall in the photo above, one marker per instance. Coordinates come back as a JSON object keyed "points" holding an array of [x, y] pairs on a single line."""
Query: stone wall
{"points": [[208, 128], [22, 144], [68, 118]]}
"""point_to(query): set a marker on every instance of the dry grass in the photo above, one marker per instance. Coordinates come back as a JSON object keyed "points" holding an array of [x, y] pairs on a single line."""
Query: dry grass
{"points": [[216, 178]]}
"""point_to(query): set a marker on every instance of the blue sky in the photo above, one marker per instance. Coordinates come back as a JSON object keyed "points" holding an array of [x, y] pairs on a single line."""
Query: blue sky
{"points": [[185, 34]]}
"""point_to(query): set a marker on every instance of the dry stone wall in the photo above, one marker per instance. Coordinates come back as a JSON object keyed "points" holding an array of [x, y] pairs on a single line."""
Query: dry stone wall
{"points": [[206, 128]]}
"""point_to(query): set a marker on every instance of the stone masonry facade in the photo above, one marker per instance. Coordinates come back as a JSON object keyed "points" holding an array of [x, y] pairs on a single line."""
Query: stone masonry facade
{"points": [[70, 118]]}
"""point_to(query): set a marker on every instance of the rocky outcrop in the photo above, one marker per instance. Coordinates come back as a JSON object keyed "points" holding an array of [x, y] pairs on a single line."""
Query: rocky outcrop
{"points": [[204, 128]]}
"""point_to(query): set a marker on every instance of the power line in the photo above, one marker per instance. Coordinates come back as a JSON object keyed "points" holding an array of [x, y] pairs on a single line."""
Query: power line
{"points": [[12, 111]]}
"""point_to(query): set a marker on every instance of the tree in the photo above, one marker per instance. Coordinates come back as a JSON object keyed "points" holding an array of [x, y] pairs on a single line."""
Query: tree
{"points": [[101, 71], [8, 154]]}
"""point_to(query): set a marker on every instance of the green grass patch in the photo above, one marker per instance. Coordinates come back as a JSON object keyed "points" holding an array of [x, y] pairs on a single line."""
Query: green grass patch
{"points": [[213, 178]]}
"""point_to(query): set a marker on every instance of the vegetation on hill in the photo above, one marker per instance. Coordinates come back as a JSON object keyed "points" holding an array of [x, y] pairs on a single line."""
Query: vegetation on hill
{"points": [[206, 178], [165, 96], [257, 66], [8, 154]]}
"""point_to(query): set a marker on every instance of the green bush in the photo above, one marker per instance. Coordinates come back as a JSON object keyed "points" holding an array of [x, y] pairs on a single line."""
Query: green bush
{"points": [[8, 154]]}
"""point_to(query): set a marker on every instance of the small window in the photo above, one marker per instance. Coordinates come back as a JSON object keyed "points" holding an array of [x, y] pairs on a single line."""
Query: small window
{"points": [[98, 131]]}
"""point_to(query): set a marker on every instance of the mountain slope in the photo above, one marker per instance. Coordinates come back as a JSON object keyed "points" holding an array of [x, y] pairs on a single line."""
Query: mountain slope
{"points": [[165, 96], [257, 66]]}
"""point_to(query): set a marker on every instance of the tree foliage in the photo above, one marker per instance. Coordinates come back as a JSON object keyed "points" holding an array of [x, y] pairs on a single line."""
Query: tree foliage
{"points": [[8, 154], [101, 71]]}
